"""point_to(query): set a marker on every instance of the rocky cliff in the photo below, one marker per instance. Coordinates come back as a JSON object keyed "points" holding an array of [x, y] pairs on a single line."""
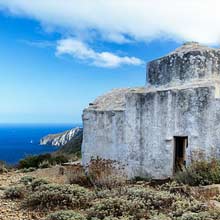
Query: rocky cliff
{"points": [[61, 139]]}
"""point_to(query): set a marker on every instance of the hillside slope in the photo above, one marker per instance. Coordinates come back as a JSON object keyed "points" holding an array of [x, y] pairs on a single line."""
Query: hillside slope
{"points": [[61, 139]]}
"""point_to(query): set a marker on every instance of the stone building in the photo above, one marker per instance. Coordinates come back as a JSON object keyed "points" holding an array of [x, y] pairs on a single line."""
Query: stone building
{"points": [[153, 130]]}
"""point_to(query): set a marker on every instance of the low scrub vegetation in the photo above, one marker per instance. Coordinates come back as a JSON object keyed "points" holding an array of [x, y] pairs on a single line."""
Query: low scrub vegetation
{"points": [[37, 183], [76, 175], [202, 171], [66, 215], [104, 173], [15, 192], [100, 173], [132, 202], [3, 167], [117, 207], [41, 161], [97, 197], [28, 170], [27, 180], [54, 195]]}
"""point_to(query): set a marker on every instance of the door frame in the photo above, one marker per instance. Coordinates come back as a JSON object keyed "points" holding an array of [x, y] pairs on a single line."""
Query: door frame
{"points": [[186, 139]]}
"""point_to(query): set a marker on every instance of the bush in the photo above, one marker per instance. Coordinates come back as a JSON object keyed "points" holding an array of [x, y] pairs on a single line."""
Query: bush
{"points": [[198, 216], [152, 198], [76, 175], [28, 170], [15, 192], [65, 215], [41, 160], [33, 161], [184, 205], [55, 195], [117, 207], [32, 182], [37, 183], [58, 159], [27, 180], [44, 164], [202, 172], [159, 216], [99, 173], [104, 173], [3, 167]]}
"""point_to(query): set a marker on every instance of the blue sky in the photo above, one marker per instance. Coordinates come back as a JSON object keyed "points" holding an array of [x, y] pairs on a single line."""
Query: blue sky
{"points": [[51, 69]]}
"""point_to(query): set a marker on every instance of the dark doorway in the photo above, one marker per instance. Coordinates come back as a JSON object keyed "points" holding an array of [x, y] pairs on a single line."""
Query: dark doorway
{"points": [[180, 145]]}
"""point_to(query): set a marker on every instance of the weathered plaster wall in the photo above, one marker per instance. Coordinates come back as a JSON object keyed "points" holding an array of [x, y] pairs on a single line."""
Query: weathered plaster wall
{"points": [[142, 136], [153, 119], [184, 65], [103, 135], [137, 126]]}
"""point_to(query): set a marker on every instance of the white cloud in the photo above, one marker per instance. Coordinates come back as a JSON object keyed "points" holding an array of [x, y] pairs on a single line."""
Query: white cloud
{"points": [[120, 20], [80, 50]]}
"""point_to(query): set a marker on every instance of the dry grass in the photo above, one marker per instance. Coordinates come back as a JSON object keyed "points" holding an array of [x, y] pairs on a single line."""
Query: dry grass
{"points": [[51, 174], [99, 173], [104, 173], [76, 175]]}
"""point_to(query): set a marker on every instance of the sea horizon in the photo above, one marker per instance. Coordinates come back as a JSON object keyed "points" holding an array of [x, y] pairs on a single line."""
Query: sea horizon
{"points": [[18, 140]]}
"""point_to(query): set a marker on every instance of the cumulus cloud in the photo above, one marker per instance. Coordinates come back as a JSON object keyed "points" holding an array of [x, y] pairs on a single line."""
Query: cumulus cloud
{"points": [[81, 50], [124, 20]]}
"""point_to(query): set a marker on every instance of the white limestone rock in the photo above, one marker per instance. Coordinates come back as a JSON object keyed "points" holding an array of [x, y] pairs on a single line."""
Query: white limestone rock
{"points": [[61, 139]]}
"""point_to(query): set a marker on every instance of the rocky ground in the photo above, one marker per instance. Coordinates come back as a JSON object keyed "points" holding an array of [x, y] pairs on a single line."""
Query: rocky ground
{"points": [[12, 209]]}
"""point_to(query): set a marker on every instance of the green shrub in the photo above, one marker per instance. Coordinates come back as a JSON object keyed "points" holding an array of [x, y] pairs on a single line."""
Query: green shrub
{"points": [[44, 164], [184, 205], [55, 195], [58, 159], [159, 216], [15, 192], [27, 180], [28, 170], [33, 182], [203, 172], [37, 183], [198, 216], [65, 215], [119, 218], [152, 198], [41, 160], [117, 207], [33, 161], [3, 167]]}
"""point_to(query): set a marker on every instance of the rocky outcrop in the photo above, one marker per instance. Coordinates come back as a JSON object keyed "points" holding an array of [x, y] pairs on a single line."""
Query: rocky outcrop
{"points": [[61, 139]]}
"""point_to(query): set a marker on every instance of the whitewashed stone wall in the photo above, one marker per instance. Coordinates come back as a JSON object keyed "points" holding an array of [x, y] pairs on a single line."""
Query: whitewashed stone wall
{"points": [[137, 126], [103, 135], [153, 119]]}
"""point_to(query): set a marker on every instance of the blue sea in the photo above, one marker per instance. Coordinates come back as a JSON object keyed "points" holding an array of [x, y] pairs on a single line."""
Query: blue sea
{"points": [[18, 141]]}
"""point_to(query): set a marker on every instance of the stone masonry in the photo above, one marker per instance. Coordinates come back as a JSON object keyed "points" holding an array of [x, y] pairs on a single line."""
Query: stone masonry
{"points": [[140, 127]]}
